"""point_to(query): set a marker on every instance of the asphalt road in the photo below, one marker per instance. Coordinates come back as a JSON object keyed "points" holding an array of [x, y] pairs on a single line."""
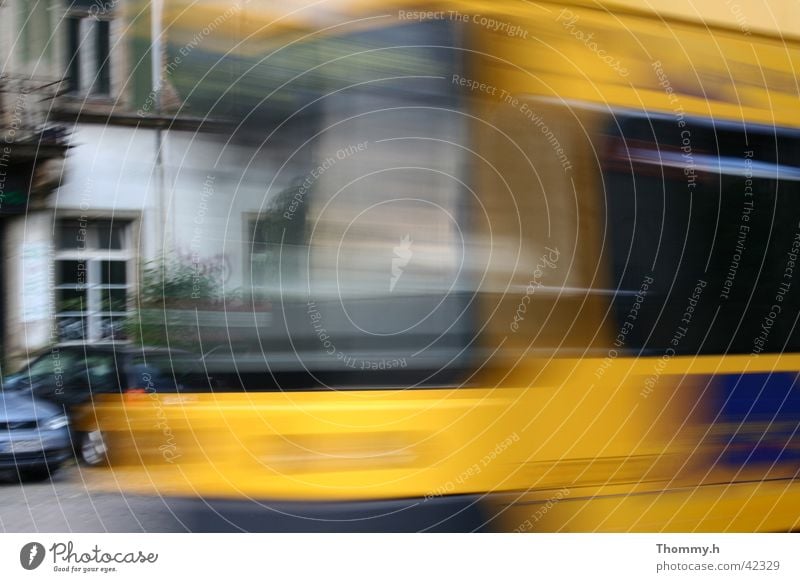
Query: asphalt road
{"points": [[70, 503]]}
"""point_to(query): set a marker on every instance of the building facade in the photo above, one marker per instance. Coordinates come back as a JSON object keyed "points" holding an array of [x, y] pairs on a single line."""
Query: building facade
{"points": [[140, 190], [265, 172]]}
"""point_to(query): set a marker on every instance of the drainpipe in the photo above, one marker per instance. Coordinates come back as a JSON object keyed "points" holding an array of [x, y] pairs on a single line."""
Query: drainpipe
{"points": [[156, 11]]}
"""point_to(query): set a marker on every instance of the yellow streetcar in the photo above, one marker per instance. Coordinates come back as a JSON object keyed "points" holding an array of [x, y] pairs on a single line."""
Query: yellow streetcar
{"points": [[535, 271]]}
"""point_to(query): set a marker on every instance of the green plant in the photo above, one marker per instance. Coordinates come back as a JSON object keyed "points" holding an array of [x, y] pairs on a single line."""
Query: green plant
{"points": [[167, 289], [172, 284]]}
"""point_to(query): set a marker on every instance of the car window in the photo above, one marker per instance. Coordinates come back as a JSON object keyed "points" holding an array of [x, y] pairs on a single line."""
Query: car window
{"points": [[55, 363], [101, 371], [48, 375], [69, 375], [165, 373], [41, 367]]}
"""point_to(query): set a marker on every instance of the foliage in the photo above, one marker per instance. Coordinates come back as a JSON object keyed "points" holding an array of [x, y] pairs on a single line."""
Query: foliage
{"points": [[177, 284], [168, 291]]}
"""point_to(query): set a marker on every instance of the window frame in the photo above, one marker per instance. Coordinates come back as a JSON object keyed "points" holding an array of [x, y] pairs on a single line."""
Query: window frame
{"points": [[88, 75], [93, 257]]}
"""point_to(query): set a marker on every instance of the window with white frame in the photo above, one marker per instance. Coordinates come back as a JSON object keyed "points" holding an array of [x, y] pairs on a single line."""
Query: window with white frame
{"points": [[92, 279], [88, 50]]}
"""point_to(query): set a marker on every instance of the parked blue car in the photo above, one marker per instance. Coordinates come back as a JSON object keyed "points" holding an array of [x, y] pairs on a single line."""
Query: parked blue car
{"points": [[34, 435]]}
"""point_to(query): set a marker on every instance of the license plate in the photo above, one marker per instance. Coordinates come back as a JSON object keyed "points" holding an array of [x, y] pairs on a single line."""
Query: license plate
{"points": [[23, 446]]}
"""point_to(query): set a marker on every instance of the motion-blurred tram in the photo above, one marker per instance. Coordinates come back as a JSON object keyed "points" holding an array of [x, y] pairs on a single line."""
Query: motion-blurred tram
{"points": [[537, 270]]}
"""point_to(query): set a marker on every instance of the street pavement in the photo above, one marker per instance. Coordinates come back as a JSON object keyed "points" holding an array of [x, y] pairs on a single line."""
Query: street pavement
{"points": [[71, 502]]}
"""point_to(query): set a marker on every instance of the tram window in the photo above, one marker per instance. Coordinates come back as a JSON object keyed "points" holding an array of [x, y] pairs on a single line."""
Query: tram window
{"points": [[704, 226]]}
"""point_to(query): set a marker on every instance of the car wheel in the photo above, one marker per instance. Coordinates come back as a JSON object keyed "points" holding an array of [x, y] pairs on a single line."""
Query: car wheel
{"points": [[93, 448]]}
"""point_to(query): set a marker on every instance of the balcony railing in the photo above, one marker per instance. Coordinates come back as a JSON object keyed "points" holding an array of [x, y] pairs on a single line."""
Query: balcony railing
{"points": [[25, 106]]}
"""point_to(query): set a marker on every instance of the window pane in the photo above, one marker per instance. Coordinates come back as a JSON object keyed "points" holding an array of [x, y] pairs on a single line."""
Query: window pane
{"points": [[71, 300], [76, 233], [71, 234], [49, 372], [110, 234], [702, 244], [167, 373], [259, 269], [72, 328], [114, 272], [44, 366], [102, 43], [112, 328], [71, 273], [272, 249], [114, 299], [101, 370], [73, 62]]}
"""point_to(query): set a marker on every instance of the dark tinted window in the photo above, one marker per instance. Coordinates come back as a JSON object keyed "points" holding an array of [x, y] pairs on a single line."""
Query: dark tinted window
{"points": [[72, 57], [166, 373], [101, 371], [704, 225], [102, 47]]}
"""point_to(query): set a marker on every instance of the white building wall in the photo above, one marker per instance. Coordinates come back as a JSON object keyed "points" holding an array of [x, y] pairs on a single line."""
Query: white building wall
{"points": [[110, 173], [215, 189], [211, 187], [29, 281]]}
